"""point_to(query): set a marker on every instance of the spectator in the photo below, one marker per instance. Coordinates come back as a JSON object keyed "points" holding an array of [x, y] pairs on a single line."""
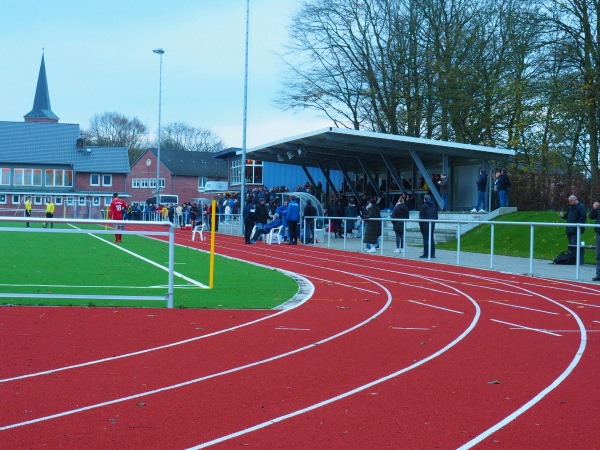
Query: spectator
{"points": [[310, 211], [352, 212], [503, 188], [575, 214], [336, 224], [276, 222], [596, 217], [444, 187], [481, 188], [261, 217], [373, 227], [293, 217], [428, 211], [400, 211], [248, 215], [282, 211], [179, 214]]}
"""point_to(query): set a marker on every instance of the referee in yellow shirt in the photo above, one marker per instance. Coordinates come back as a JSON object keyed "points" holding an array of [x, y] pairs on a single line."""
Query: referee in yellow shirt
{"points": [[28, 209], [49, 212]]}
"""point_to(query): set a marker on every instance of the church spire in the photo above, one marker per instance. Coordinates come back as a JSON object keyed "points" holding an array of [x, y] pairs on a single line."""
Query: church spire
{"points": [[41, 111]]}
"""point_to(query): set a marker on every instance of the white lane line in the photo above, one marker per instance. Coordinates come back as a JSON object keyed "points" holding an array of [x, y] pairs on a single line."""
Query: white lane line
{"points": [[404, 328], [523, 307], [340, 284], [310, 290], [508, 419], [522, 327], [208, 377], [584, 304], [496, 289], [292, 329], [434, 306], [362, 388]]}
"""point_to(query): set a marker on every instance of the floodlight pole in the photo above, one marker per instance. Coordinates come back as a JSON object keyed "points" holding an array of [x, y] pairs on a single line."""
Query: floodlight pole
{"points": [[160, 52], [245, 119]]}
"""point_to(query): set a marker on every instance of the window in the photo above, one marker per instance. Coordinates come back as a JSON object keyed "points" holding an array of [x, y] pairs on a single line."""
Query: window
{"points": [[81, 201], [96, 201], [202, 183], [37, 200], [135, 183], [106, 180], [70, 201], [58, 201], [94, 179], [152, 182], [144, 182], [161, 183], [16, 199], [107, 201], [59, 177], [2, 199], [236, 172], [254, 171], [5, 176]]}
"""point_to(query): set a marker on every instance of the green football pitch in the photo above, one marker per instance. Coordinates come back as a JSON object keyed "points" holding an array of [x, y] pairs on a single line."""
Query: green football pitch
{"points": [[62, 263]]}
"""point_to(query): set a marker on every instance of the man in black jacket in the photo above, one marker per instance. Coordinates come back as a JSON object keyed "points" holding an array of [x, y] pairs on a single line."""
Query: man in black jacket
{"points": [[428, 211], [595, 216], [575, 214], [248, 214]]}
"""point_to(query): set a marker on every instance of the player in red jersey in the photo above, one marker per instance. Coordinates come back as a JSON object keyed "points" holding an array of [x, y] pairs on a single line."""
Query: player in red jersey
{"points": [[116, 210]]}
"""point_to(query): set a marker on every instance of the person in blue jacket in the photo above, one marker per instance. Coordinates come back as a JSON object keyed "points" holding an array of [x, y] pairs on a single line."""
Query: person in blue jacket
{"points": [[293, 217]]}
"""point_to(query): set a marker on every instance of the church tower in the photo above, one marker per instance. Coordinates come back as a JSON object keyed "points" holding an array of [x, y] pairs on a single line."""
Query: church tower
{"points": [[41, 111]]}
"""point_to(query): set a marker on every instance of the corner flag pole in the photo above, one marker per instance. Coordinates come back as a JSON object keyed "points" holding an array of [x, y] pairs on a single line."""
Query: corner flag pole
{"points": [[213, 211]]}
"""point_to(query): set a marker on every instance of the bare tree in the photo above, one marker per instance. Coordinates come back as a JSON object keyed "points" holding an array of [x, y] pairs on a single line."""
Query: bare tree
{"points": [[112, 129], [180, 136]]}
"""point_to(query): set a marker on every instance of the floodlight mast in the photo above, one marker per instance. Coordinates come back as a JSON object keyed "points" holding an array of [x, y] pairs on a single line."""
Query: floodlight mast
{"points": [[160, 52], [245, 117]]}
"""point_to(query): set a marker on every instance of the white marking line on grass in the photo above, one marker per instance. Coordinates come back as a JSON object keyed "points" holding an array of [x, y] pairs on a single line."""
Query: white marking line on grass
{"points": [[93, 287], [522, 307], [434, 306], [166, 269], [309, 294], [225, 372], [522, 327], [583, 304]]}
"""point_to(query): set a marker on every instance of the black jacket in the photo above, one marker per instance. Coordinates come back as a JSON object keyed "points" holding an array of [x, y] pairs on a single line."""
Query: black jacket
{"points": [[575, 214]]}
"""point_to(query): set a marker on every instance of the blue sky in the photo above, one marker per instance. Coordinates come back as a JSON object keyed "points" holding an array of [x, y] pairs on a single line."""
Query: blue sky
{"points": [[99, 58]]}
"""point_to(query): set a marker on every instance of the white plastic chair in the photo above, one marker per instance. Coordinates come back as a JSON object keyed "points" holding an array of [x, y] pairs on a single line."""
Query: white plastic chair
{"points": [[274, 235], [198, 229]]}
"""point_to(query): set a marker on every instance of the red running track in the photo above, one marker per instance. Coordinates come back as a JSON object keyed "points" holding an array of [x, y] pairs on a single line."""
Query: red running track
{"points": [[385, 353]]}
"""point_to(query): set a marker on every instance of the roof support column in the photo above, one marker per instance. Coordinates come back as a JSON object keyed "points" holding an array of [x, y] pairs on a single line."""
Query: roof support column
{"points": [[426, 177], [369, 177], [348, 181], [329, 182], [393, 172]]}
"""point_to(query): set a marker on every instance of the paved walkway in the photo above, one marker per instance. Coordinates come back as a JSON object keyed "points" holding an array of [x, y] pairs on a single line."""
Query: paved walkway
{"points": [[521, 266]]}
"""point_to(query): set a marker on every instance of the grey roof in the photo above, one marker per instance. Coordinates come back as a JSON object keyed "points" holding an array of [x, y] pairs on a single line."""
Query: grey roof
{"points": [[195, 164], [102, 160], [37, 142], [353, 150], [41, 101]]}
